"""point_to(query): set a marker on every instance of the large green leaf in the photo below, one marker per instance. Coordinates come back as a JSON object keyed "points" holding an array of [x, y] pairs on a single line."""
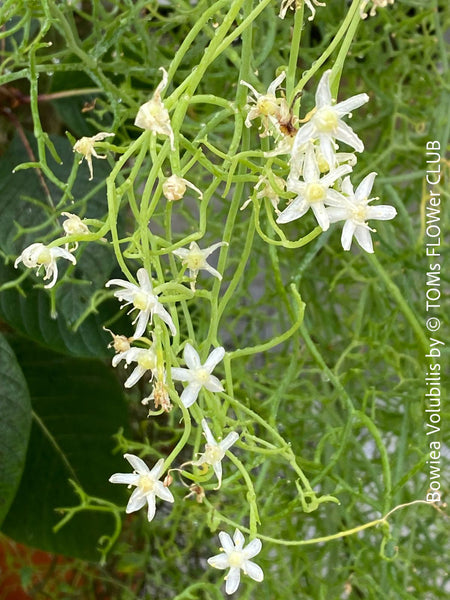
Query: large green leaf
{"points": [[15, 423], [77, 408], [31, 316]]}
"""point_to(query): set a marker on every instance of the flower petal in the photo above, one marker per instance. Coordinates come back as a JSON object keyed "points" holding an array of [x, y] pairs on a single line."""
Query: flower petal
{"points": [[144, 280], [320, 212], [165, 316], [311, 172], [156, 471], [180, 374], [294, 211], [191, 357], [226, 541], [346, 106], [232, 580], [345, 134], [220, 561], [306, 133], [238, 539], [207, 431], [323, 93], [213, 384], [364, 239], [253, 570], [136, 501], [365, 187], [190, 394], [142, 321], [214, 358], [135, 376], [163, 492], [151, 501], [137, 463], [337, 213], [229, 441], [383, 212], [217, 466], [253, 548], [213, 271], [127, 478], [347, 234], [334, 174], [275, 83]]}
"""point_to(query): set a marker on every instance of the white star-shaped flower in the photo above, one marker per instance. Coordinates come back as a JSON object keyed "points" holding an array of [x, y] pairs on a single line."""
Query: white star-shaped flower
{"points": [[271, 109], [294, 4], [235, 557], [153, 115], [215, 452], [198, 375], [147, 485], [175, 186], [326, 122], [145, 359], [195, 260], [355, 211], [314, 192], [373, 10], [85, 146], [39, 255], [142, 297]]}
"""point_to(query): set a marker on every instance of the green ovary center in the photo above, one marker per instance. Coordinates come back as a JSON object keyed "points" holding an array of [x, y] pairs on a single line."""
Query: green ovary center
{"points": [[213, 454], [44, 257], [146, 484], [195, 261], [202, 376], [360, 213], [267, 105], [326, 120], [140, 301], [235, 559], [147, 361], [315, 193]]}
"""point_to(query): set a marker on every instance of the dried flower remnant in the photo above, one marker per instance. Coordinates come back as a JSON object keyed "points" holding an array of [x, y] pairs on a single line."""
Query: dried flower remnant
{"points": [[271, 109], [195, 260], [375, 4], [86, 147], [215, 452], [144, 300], [39, 255], [326, 124], [355, 210], [296, 4], [160, 396], [174, 188], [236, 558], [147, 483], [154, 116], [73, 225], [197, 375]]}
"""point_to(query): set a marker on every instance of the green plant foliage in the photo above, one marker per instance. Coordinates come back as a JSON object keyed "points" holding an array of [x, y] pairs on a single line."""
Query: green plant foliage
{"points": [[15, 425], [326, 351], [77, 408]]}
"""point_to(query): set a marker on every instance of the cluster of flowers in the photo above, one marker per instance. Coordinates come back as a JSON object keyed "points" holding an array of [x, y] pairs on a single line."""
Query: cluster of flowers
{"points": [[313, 151], [316, 168], [295, 5]]}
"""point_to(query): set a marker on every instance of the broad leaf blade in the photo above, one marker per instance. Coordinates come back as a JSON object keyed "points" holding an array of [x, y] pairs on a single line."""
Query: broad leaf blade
{"points": [[77, 408], [15, 423]]}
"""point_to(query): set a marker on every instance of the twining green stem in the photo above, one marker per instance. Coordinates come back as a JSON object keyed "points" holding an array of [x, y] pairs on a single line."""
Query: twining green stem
{"points": [[399, 298], [352, 14]]}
